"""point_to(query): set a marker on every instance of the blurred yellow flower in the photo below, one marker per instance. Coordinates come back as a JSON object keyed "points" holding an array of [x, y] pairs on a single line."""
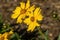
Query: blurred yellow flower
{"points": [[5, 35], [22, 11], [33, 18]]}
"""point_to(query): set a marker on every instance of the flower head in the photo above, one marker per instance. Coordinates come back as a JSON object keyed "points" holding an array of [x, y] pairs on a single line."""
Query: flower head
{"points": [[33, 18], [5, 35], [22, 11]]}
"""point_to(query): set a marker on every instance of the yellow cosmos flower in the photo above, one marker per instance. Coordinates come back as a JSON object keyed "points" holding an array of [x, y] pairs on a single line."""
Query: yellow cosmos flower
{"points": [[33, 18], [5, 35], [21, 11]]}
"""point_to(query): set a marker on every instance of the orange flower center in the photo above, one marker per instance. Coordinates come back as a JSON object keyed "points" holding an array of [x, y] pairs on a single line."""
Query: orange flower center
{"points": [[32, 19], [23, 11]]}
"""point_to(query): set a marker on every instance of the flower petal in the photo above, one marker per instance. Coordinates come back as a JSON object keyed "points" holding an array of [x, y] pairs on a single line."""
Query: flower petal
{"points": [[31, 8], [35, 23], [16, 13], [36, 11], [40, 17], [28, 4], [27, 21], [22, 5], [19, 19], [27, 13], [30, 14], [31, 27]]}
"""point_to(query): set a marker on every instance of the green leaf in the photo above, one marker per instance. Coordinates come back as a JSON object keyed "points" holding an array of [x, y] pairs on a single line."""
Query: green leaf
{"points": [[58, 37], [46, 35], [15, 36], [18, 37]]}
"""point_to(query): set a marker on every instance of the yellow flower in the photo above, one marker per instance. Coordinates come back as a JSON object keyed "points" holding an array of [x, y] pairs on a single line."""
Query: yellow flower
{"points": [[33, 18], [22, 11], [5, 35]]}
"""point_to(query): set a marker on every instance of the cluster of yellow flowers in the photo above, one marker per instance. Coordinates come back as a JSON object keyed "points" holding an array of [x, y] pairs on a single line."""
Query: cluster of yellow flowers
{"points": [[33, 13], [5, 35]]}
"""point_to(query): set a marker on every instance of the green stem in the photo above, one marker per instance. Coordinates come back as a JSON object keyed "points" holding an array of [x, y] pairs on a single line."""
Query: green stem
{"points": [[40, 32]]}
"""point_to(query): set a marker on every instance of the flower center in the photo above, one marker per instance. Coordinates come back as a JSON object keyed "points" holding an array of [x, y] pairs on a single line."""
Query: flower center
{"points": [[23, 11], [32, 19]]}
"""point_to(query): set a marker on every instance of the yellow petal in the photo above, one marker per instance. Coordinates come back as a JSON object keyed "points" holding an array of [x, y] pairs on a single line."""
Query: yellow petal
{"points": [[30, 14], [11, 32], [31, 27], [36, 11], [27, 21], [36, 24], [0, 34], [27, 13], [39, 17], [6, 39], [22, 5], [19, 19], [31, 8], [16, 13], [28, 4]]}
